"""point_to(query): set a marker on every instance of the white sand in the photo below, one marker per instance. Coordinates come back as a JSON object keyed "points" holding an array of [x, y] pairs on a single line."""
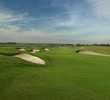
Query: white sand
{"points": [[34, 51], [30, 58], [92, 53], [46, 49], [21, 49]]}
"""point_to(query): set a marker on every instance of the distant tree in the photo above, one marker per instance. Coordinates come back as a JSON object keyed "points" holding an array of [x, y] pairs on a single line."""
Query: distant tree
{"points": [[95, 44], [78, 45]]}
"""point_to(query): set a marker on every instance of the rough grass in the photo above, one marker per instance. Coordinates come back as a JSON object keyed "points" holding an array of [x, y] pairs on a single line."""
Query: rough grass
{"points": [[8, 51], [67, 75], [99, 49]]}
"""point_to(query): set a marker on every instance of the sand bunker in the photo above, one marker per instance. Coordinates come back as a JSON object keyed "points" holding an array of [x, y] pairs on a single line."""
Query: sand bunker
{"points": [[92, 53], [34, 50], [21, 49], [30, 58], [46, 49]]}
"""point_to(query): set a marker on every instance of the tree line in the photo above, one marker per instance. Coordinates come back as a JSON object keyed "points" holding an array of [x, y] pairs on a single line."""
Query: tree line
{"points": [[56, 44]]}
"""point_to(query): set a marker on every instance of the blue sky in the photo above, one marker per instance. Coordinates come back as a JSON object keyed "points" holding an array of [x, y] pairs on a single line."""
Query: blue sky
{"points": [[55, 21]]}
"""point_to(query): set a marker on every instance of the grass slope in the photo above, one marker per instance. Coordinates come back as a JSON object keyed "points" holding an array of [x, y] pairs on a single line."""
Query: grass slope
{"points": [[99, 49], [9, 51], [67, 75]]}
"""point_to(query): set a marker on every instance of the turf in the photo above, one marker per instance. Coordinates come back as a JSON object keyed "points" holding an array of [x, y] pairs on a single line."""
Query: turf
{"points": [[67, 75], [8, 50], [99, 49]]}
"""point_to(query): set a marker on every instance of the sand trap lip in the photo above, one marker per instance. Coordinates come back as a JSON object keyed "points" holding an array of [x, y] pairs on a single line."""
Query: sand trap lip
{"points": [[30, 58], [46, 49], [92, 53], [21, 49], [34, 50]]}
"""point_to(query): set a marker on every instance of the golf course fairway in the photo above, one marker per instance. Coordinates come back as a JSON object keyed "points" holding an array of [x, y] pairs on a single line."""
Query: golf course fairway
{"points": [[66, 75]]}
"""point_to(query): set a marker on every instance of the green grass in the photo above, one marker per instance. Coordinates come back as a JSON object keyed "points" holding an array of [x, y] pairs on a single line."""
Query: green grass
{"points": [[8, 50], [67, 75], [99, 49]]}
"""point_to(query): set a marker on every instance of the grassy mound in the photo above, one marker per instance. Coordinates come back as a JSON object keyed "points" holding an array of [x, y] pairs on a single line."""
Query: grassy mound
{"points": [[9, 51]]}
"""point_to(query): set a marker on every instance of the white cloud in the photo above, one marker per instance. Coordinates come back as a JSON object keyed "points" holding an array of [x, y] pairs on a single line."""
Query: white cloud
{"points": [[10, 22], [100, 7], [7, 17], [70, 25]]}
